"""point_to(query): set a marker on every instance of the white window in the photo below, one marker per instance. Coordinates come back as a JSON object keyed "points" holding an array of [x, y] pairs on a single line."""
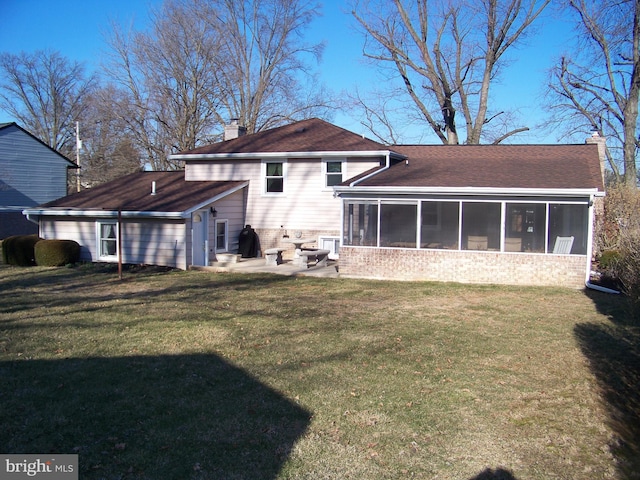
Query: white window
{"points": [[274, 177], [107, 233], [333, 171], [222, 237]]}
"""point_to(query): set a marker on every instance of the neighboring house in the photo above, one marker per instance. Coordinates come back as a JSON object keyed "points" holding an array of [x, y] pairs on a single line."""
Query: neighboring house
{"points": [[154, 218], [513, 214], [31, 173]]}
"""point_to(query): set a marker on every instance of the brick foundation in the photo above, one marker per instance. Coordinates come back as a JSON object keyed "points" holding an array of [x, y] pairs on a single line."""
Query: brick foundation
{"points": [[464, 266]]}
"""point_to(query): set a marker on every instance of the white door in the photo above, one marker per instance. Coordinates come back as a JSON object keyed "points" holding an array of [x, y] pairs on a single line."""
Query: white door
{"points": [[199, 237]]}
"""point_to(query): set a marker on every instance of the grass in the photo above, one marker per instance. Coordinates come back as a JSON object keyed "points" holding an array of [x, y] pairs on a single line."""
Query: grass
{"points": [[180, 375]]}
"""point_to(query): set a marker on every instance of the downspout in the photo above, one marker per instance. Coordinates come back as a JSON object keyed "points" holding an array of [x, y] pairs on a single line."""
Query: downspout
{"points": [[366, 177]]}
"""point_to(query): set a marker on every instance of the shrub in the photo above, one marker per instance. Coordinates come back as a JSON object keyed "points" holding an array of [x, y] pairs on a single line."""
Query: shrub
{"points": [[54, 253], [620, 233], [19, 250]]}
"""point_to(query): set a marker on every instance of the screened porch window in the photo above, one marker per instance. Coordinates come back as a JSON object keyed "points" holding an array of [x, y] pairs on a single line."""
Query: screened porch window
{"points": [[569, 221], [439, 227], [525, 226], [481, 226], [360, 224], [398, 225]]}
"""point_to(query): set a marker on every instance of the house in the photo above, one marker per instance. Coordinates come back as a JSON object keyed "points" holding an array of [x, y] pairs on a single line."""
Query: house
{"points": [[31, 173], [511, 214]]}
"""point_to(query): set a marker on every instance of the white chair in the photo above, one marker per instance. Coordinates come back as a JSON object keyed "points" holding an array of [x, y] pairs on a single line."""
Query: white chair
{"points": [[563, 245]]}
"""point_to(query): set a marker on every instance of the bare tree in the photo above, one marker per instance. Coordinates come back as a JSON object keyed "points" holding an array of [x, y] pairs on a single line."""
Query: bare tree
{"points": [[44, 91], [446, 54], [263, 73], [597, 87], [166, 78], [108, 146], [206, 62]]}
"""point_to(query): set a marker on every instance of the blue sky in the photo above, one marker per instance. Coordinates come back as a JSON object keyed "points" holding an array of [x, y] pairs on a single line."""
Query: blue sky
{"points": [[75, 28]]}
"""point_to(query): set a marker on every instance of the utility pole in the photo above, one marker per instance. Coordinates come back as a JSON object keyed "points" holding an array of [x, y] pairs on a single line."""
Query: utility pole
{"points": [[78, 147]]}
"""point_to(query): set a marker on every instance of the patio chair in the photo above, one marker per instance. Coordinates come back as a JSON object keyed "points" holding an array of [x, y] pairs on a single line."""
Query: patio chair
{"points": [[563, 245]]}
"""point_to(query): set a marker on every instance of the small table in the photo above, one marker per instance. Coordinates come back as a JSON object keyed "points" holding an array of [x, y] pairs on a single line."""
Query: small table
{"points": [[298, 242]]}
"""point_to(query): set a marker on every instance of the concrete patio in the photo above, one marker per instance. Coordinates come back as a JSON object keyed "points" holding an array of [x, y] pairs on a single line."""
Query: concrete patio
{"points": [[258, 265]]}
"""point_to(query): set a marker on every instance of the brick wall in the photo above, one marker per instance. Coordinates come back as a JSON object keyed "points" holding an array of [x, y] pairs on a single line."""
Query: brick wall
{"points": [[463, 266]]}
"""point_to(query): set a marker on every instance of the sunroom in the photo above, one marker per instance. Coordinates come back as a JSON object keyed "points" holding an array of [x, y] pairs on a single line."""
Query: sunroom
{"points": [[515, 226], [512, 214]]}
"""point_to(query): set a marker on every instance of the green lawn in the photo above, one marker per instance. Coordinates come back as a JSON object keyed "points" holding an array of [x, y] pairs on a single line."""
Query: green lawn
{"points": [[180, 375]]}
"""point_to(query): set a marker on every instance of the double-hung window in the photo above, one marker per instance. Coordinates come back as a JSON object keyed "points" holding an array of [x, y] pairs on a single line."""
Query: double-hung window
{"points": [[273, 177], [107, 239], [333, 173]]}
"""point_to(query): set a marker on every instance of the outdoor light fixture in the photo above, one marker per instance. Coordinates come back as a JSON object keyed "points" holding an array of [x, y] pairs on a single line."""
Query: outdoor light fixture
{"points": [[214, 212]]}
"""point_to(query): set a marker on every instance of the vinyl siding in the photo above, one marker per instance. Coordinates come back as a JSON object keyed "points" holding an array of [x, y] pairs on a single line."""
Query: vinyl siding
{"points": [[30, 172], [305, 204], [145, 241]]}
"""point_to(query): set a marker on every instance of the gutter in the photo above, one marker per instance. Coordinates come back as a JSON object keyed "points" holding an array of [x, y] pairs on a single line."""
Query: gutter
{"points": [[488, 191], [260, 155], [48, 212], [387, 165]]}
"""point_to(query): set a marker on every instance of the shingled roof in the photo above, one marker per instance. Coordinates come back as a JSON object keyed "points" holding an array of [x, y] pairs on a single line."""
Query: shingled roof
{"points": [[132, 193], [312, 135], [493, 166]]}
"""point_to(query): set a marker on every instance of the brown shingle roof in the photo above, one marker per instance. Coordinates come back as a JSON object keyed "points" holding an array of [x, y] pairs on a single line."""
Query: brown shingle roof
{"points": [[313, 135], [133, 193], [494, 166]]}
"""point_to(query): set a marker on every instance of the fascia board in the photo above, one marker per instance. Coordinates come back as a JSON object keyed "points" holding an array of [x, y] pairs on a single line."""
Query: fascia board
{"points": [[568, 192], [70, 212], [261, 155], [201, 205]]}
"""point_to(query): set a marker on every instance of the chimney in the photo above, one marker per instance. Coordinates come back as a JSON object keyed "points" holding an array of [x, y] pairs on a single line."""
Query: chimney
{"points": [[602, 150], [234, 130]]}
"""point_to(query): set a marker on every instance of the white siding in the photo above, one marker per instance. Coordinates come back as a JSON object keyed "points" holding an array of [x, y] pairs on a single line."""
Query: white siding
{"points": [[153, 242], [30, 172], [230, 208], [305, 205]]}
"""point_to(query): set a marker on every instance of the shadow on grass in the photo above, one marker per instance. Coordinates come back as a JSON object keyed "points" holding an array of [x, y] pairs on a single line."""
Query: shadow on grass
{"points": [[497, 474], [169, 417], [613, 351]]}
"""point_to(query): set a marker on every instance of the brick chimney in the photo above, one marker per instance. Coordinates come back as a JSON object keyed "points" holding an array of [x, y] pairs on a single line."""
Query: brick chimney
{"points": [[234, 130], [602, 150]]}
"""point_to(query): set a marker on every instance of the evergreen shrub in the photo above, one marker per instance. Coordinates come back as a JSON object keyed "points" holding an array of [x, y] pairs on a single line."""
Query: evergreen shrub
{"points": [[19, 250], [55, 253]]}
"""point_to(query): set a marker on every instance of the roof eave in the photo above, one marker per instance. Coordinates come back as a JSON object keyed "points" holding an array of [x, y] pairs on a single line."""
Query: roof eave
{"points": [[482, 191], [95, 213], [261, 155]]}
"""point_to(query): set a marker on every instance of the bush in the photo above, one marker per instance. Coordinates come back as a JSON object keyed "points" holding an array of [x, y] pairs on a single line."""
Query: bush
{"points": [[620, 235], [19, 250], [54, 253]]}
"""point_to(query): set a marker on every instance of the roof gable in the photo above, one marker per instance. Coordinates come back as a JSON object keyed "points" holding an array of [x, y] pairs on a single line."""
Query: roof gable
{"points": [[133, 193], [312, 135], [15, 126], [493, 166]]}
